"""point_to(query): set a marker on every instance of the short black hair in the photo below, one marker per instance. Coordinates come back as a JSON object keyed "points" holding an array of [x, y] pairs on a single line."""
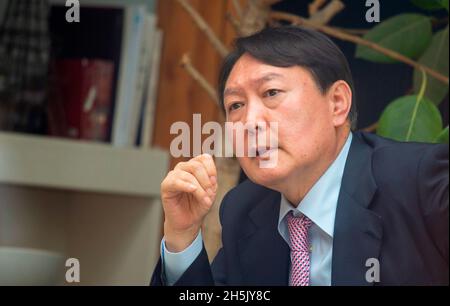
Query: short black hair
{"points": [[287, 46]]}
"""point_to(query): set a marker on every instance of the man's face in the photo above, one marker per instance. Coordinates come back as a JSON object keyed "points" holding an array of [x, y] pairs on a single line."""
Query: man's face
{"points": [[257, 92]]}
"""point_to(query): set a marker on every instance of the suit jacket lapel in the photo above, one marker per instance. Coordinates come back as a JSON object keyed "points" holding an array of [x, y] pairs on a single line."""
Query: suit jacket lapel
{"points": [[358, 230], [264, 255]]}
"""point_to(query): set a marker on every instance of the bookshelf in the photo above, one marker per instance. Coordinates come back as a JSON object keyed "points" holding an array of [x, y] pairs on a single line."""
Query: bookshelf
{"points": [[80, 166], [94, 202]]}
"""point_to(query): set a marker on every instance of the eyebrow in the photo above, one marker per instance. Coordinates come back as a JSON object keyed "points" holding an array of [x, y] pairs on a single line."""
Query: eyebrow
{"points": [[238, 91], [268, 77], [233, 91]]}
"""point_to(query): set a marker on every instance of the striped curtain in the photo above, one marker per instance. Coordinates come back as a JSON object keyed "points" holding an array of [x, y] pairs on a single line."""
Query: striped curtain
{"points": [[24, 57]]}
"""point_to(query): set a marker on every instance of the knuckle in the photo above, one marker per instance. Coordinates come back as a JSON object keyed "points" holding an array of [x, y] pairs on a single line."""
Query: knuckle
{"points": [[173, 174], [180, 165], [178, 182], [213, 170], [197, 168], [201, 157], [188, 177], [168, 176], [163, 185], [196, 164], [181, 174], [206, 156]]}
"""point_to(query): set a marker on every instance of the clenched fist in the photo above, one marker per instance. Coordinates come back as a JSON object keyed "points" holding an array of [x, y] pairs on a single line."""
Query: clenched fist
{"points": [[187, 194]]}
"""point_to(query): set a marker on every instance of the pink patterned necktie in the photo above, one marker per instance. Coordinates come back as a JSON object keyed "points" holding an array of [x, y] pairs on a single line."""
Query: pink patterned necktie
{"points": [[300, 263]]}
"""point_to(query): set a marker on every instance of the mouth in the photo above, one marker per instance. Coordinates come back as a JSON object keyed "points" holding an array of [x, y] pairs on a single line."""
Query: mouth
{"points": [[264, 153]]}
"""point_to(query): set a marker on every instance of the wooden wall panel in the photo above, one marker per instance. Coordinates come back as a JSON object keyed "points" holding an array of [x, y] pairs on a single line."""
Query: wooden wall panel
{"points": [[179, 96]]}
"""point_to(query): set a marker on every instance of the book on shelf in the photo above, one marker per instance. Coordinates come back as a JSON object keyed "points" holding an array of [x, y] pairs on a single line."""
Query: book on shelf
{"points": [[97, 39], [125, 35], [126, 111], [80, 101], [148, 109]]}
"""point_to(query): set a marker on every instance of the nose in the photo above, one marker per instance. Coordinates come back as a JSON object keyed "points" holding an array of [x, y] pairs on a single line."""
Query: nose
{"points": [[256, 122], [255, 116]]}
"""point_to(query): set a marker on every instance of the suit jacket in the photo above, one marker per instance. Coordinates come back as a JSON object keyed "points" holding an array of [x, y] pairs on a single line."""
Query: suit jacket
{"points": [[393, 206]]}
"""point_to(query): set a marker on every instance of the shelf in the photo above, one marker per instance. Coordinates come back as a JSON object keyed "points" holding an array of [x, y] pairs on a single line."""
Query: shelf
{"points": [[41, 161]]}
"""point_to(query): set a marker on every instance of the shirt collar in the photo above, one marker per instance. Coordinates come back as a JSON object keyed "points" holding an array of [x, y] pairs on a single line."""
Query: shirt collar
{"points": [[320, 202]]}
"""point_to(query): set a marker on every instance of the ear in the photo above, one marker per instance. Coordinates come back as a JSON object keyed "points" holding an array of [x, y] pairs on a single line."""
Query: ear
{"points": [[340, 97]]}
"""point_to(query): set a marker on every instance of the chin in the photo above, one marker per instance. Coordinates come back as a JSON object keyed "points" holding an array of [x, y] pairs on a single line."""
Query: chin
{"points": [[267, 177]]}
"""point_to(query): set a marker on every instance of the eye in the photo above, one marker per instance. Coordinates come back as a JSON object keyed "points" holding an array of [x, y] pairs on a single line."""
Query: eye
{"points": [[234, 106], [271, 93]]}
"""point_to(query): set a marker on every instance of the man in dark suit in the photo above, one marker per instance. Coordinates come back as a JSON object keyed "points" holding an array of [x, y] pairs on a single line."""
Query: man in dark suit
{"points": [[338, 208]]}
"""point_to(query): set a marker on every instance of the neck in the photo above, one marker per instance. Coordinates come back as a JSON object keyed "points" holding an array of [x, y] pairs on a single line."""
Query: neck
{"points": [[298, 185]]}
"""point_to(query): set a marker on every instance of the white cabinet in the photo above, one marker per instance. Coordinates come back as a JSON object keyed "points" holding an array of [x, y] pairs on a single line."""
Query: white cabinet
{"points": [[94, 202]]}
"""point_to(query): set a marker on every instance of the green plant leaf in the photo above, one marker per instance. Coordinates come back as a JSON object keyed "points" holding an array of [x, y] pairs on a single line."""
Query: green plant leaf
{"points": [[443, 136], [431, 5], [395, 121], [435, 57], [408, 34]]}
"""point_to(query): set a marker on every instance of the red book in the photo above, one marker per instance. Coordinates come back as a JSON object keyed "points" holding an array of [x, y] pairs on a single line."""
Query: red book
{"points": [[80, 100]]}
